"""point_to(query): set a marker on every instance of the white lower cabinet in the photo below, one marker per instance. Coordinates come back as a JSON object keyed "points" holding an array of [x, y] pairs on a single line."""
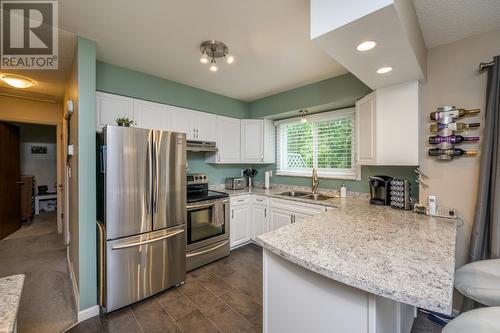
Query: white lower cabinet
{"points": [[254, 215], [240, 222], [280, 217], [260, 220]]}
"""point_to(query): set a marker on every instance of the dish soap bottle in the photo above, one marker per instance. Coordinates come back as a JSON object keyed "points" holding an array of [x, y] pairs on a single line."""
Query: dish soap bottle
{"points": [[343, 191]]}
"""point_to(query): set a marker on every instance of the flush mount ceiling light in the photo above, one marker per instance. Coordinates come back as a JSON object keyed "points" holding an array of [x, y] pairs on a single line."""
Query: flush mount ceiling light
{"points": [[365, 46], [211, 50], [17, 81], [303, 118], [383, 70]]}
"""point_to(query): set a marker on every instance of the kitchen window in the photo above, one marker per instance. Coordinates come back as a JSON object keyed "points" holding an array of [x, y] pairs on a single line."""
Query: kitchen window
{"points": [[326, 142]]}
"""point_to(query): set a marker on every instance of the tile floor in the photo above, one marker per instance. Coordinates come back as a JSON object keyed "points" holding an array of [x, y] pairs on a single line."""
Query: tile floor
{"points": [[225, 296]]}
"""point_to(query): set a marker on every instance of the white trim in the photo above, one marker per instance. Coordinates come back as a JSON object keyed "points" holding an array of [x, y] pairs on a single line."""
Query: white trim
{"points": [[333, 175], [73, 280], [336, 114], [88, 313]]}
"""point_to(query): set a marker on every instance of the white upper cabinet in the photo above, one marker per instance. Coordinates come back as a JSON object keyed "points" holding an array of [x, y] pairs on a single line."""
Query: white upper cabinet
{"points": [[257, 141], [388, 122], [109, 107], [152, 115], [252, 140], [197, 125], [366, 127], [228, 140], [206, 126], [183, 121]]}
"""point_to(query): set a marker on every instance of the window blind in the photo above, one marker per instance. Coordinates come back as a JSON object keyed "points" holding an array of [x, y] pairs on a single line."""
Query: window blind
{"points": [[325, 141]]}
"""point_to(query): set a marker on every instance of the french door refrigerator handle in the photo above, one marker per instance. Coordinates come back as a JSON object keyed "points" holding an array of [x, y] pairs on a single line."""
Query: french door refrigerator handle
{"points": [[149, 165], [156, 171], [134, 244]]}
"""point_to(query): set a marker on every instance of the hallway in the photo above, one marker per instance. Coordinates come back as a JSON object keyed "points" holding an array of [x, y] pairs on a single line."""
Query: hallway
{"points": [[37, 250]]}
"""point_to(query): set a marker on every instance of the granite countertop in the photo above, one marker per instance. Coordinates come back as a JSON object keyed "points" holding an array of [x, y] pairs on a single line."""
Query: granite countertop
{"points": [[396, 254], [275, 191], [10, 295]]}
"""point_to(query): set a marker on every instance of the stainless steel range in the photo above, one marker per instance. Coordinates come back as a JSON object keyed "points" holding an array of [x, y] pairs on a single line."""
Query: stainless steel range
{"points": [[207, 222]]}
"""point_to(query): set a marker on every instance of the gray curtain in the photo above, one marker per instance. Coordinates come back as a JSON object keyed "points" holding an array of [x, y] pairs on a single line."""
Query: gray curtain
{"points": [[485, 237]]}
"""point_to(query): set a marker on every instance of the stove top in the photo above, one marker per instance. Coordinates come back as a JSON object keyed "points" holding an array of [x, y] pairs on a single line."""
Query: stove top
{"points": [[205, 195], [197, 189]]}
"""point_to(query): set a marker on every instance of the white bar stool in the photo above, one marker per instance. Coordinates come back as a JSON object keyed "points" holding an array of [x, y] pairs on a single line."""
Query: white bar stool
{"points": [[483, 320], [480, 281]]}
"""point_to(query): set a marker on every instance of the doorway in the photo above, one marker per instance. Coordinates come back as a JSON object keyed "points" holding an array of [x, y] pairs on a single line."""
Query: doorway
{"points": [[31, 224]]}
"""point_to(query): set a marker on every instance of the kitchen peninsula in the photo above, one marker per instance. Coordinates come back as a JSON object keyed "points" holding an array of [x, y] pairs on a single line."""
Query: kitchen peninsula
{"points": [[357, 268]]}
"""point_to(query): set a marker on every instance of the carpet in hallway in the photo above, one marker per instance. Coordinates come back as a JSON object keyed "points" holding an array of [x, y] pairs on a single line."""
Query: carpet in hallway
{"points": [[37, 250]]}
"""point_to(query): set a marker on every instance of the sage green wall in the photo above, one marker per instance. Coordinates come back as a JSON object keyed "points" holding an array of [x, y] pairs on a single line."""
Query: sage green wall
{"points": [[86, 67], [402, 172], [335, 93], [126, 82], [217, 173]]}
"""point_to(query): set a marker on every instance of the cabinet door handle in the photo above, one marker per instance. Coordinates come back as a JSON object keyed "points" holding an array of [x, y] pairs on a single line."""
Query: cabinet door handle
{"points": [[265, 212], [232, 213]]}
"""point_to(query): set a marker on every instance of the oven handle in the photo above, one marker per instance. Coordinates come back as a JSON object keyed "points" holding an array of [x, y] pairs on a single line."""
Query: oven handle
{"points": [[191, 207], [189, 255]]}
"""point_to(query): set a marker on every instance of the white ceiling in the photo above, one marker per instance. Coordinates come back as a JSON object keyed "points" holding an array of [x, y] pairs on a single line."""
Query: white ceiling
{"points": [[49, 84], [269, 39], [446, 21]]}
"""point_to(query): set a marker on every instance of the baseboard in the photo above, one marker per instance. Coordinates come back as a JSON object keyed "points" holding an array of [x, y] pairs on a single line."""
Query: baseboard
{"points": [[73, 280], [88, 313]]}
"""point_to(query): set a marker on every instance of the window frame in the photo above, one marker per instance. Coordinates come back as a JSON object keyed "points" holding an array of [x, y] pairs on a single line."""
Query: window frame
{"points": [[353, 173]]}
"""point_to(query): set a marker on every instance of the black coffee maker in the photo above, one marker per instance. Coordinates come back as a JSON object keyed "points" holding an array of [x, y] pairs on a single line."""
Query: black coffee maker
{"points": [[379, 190]]}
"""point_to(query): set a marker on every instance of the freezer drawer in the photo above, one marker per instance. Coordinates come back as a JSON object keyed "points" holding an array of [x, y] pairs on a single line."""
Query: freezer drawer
{"points": [[140, 266]]}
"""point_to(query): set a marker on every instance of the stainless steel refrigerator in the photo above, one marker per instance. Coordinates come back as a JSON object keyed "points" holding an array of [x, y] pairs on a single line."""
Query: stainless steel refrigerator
{"points": [[141, 213]]}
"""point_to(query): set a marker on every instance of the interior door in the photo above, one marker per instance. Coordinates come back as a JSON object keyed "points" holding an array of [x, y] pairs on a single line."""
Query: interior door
{"points": [[10, 195]]}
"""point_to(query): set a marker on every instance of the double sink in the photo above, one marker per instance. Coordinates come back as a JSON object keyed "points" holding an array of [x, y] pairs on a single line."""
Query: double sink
{"points": [[307, 195]]}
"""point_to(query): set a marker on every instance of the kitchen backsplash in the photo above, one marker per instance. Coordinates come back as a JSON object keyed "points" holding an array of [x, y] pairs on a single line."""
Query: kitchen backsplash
{"points": [[218, 173]]}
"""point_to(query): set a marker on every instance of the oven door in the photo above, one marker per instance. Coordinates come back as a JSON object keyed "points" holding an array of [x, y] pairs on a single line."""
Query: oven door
{"points": [[203, 226]]}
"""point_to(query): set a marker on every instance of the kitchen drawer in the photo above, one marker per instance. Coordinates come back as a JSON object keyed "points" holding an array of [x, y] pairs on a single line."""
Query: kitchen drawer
{"points": [[240, 200], [260, 200]]}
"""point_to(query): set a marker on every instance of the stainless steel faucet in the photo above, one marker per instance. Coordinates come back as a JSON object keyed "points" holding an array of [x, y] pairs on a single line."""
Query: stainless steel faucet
{"points": [[315, 181]]}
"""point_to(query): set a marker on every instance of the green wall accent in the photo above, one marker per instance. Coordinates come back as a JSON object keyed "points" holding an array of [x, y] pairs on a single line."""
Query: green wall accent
{"points": [[217, 173], [400, 172], [335, 93], [126, 82], [86, 67]]}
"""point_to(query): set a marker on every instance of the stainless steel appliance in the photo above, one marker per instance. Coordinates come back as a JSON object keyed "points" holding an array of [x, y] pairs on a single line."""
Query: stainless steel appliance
{"points": [[142, 213], [379, 190], [206, 146], [235, 183], [207, 222], [400, 192]]}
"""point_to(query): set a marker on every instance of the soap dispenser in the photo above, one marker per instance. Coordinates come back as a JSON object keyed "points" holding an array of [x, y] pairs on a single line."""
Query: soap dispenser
{"points": [[343, 191]]}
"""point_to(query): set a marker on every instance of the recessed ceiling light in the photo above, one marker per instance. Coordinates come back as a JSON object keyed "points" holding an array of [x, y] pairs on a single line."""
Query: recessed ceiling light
{"points": [[17, 81], [365, 46], [383, 70]]}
